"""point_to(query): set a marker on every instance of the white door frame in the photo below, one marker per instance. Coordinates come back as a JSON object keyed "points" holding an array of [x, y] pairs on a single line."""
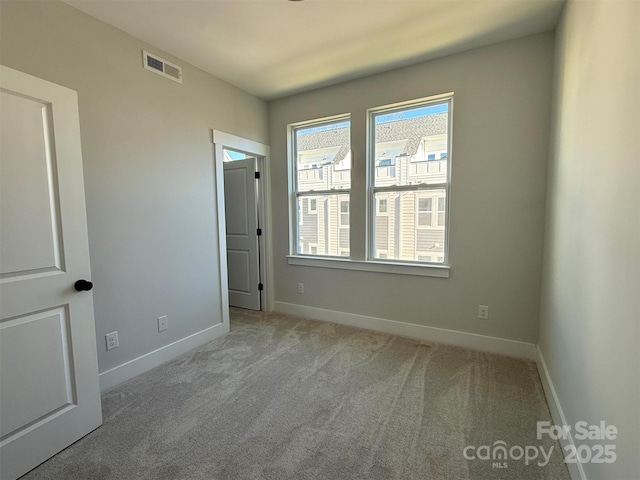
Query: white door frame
{"points": [[261, 152]]}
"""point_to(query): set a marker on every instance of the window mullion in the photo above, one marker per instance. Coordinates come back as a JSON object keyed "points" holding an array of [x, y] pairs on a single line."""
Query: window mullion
{"points": [[318, 193]]}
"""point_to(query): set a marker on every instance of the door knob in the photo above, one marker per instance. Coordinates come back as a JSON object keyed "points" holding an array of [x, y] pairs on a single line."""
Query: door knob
{"points": [[83, 285]]}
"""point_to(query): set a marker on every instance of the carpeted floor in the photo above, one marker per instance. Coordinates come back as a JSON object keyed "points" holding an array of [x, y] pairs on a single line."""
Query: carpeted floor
{"points": [[283, 398]]}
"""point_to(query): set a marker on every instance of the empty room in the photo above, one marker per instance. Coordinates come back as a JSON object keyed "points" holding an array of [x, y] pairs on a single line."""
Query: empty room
{"points": [[320, 239]]}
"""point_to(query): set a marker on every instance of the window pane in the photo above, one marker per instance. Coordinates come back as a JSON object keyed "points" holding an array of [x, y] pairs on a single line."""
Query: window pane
{"points": [[323, 156], [325, 230], [411, 145], [424, 204], [410, 230]]}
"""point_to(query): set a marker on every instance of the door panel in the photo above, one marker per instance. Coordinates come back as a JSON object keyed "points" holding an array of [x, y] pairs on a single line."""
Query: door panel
{"points": [[49, 392], [241, 216], [34, 346], [238, 266], [31, 236], [236, 186]]}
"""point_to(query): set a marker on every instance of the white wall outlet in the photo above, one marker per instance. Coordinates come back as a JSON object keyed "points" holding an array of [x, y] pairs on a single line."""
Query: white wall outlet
{"points": [[112, 340], [300, 287], [483, 312], [163, 323]]}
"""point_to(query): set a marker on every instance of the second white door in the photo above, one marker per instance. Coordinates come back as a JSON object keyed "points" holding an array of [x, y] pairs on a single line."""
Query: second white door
{"points": [[241, 213]]}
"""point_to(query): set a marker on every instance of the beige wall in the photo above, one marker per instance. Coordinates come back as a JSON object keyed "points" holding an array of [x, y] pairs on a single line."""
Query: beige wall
{"points": [[148, 170], [590, 317], [500, 149]]}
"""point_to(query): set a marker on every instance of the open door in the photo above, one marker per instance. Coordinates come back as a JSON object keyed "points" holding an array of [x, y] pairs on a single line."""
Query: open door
{"points": [[49, 392], [241, 215]]}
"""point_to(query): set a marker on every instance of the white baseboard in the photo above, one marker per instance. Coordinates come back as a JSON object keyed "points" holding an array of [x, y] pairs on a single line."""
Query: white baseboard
{"points": [[575, 469], [135, 367], [474, 341]]}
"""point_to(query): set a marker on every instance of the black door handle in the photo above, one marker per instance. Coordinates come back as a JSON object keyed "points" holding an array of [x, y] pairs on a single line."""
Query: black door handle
{"points": [[83, 285]]}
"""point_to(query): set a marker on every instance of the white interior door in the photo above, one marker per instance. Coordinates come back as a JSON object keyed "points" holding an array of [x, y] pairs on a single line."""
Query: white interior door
{"points": [[49, 392], [243, 261]]}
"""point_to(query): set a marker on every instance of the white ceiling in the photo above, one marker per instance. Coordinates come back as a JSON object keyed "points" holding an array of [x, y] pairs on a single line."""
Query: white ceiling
{"points": [[274, 48]]}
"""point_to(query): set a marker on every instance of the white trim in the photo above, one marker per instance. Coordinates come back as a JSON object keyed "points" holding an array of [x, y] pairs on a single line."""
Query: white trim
{"points": [[261, 152], [576, 471], [473, 341], [143, 363], [440, 271], [223, 280], [239, 143]]}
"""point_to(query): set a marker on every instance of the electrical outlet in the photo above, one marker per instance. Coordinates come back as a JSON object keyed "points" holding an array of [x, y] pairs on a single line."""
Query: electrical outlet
{"points": [[300, 287], [163, 323], [112, 340], [483, 312]]}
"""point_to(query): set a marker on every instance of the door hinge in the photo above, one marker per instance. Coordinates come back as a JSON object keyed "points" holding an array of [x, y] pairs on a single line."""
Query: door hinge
{"points": [[257, 174], [260, 287], [259, 232]]}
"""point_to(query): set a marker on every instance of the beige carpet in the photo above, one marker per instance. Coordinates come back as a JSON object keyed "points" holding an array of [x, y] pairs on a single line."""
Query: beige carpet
{"points": [[282, 397]]}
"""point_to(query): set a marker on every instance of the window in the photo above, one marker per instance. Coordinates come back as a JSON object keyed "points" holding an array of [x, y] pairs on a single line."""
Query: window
{"points": [[401, 216], [415, 139], [344, 213], [425, 212], [321, 187], [441, 212]]}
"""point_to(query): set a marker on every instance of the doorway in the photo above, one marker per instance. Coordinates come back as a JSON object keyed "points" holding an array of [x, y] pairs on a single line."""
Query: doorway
{"points": [[242, 219], [242, 179]]}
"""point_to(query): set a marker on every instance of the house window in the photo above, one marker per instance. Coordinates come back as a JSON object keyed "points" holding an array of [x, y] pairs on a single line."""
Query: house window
{"points": [[417, 222], [424, 211], [382, 205], [319, 199], [344, 213], [441, 212]]}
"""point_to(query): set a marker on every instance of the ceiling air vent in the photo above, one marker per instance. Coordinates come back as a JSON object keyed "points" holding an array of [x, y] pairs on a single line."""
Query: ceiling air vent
{"points": [[161, 67]]}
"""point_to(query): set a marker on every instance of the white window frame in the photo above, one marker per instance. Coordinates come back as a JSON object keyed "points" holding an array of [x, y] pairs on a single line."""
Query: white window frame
{"points": [[294, 194], [364, 260], [372, 113]]}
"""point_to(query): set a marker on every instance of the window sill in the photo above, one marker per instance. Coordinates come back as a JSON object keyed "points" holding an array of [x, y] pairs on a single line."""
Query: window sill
{"points": [[440, 271]]}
